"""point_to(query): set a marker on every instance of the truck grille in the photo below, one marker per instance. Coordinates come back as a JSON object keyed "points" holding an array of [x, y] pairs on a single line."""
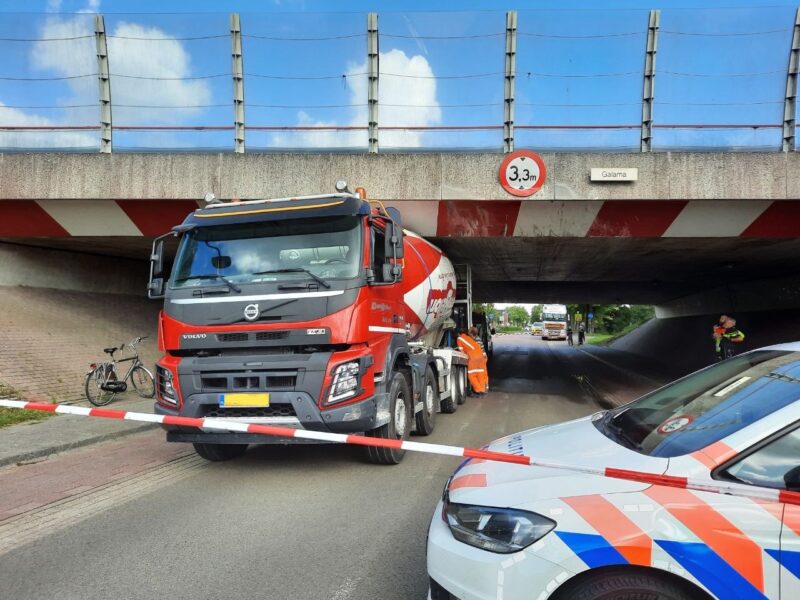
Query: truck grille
{"points": [[233, 337], [277, 410], [259, 336], [248, 381]]}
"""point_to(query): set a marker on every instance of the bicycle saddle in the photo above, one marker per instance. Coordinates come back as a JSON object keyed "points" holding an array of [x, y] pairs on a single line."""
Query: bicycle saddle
{"points": [[110, 351]]}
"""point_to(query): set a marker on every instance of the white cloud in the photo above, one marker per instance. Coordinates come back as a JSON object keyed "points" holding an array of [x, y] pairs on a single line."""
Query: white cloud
{"points": [[165, 59], [415, 89], [133, 49], [39, 139]]}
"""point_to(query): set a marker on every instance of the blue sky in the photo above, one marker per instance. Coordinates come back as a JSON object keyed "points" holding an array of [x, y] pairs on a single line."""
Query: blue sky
{"points": [[441, 65]]}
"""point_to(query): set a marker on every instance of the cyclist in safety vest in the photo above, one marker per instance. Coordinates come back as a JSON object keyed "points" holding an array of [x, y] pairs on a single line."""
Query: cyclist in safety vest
{"points": [[726, 336], [475, 361]]}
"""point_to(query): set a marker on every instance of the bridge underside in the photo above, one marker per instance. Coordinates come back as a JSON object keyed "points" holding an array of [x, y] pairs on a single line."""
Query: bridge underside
{"points": [[552, 269], [695, 232]]}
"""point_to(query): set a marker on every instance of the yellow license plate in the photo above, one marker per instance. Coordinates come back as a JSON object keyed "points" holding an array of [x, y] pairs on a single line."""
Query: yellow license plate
{"points": [[243, 400]]}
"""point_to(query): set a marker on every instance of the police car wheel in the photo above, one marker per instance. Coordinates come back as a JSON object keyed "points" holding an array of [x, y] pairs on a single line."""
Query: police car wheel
{"points": [[399, 425], [426, 418], [219, 452], [626, 584]]}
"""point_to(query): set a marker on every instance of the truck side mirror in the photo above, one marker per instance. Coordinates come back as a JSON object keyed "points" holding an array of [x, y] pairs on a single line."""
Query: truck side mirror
{"points": [[394, 240], [156, 288], [392, 273], [157, 258]]}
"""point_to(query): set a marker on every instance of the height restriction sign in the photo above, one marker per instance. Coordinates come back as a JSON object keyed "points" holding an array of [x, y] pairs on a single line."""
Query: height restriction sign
{"points": [[522, 173]]}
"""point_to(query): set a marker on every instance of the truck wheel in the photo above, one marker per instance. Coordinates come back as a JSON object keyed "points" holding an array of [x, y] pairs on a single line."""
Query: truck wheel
{"points": [[219, 452], [426, 418], [624, 585], [398, 427], [450, 404], [461, 384]]}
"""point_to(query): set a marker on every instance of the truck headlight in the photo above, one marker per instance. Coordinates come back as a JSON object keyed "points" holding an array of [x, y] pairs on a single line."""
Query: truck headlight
{"points": [[499, 530], [345, 381], [166, 386]]}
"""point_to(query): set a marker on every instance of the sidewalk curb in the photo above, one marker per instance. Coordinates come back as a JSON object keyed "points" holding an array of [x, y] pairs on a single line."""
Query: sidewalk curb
{"points": [[45, 452]]}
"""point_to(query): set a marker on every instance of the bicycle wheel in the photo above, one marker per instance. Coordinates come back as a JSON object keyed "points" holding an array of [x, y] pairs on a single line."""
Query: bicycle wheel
{"points": [[143, 382], [94, 393]]}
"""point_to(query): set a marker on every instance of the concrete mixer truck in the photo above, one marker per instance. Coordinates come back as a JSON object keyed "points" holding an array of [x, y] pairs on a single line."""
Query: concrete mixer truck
{"points": [[316, 312]]}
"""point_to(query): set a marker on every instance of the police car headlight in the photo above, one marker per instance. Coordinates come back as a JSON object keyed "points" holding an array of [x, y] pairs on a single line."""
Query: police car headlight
{"points": [[500, 530], [345, 381]]}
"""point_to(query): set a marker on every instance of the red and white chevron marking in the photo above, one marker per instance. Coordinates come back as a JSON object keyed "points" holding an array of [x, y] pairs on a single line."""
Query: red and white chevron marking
{"points": [[732, 489], [443, 218]]}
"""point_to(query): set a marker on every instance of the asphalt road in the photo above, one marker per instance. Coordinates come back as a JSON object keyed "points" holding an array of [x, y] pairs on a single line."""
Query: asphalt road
{"points": [[291, 522]]}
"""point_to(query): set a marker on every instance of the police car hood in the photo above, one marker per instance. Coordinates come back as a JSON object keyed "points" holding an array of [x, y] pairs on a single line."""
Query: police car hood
{"points": [[577, 443]]}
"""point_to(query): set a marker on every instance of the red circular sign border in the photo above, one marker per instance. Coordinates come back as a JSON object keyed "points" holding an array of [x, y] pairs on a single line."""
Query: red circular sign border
{"points": [[690, 420], [537, 186]]}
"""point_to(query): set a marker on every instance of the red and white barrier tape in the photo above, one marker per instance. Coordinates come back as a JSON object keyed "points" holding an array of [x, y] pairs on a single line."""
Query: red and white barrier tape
{"points": [[702, 485]]}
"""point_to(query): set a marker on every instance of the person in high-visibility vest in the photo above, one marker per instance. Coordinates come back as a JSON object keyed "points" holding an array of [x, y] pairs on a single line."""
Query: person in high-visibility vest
{"points": [[727, 337], [475, 361], [484, 358]]}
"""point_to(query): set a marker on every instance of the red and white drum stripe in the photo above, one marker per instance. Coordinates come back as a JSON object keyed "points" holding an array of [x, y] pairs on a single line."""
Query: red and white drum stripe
{"points": [[443, 218], [732, 489]]}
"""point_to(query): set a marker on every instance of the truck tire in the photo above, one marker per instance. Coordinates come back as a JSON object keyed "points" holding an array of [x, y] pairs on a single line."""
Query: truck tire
{"points": [[461, 384], [426, 418], [450, 404], [219, 452], [399, 425], [624, 584]]}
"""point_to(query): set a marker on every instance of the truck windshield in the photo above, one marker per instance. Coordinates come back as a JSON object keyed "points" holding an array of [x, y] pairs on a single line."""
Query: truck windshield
{"points": [[269, 251], [554, 317], [707, 406]]}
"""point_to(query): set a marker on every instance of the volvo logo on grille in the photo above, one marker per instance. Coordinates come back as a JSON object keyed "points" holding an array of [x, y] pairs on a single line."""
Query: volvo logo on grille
{"points": [[251, 312]]}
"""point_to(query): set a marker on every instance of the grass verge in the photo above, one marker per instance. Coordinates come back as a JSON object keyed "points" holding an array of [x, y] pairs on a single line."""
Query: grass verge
{"points": [[604, 339], [12, 416]]}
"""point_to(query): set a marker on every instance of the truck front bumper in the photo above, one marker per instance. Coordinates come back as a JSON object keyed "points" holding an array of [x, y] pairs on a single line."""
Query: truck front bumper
{"points": [[297, 410]]}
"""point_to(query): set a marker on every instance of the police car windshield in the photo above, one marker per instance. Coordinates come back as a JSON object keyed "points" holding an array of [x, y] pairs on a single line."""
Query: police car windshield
{"points": [[706, 406], [270, 251]]}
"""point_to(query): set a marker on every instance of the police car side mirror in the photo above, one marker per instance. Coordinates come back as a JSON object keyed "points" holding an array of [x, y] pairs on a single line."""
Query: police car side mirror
{"points": [[792, 479]]}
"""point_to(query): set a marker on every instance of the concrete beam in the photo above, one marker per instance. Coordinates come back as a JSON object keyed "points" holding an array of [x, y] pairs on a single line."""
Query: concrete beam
{"points": [[413, 176]]}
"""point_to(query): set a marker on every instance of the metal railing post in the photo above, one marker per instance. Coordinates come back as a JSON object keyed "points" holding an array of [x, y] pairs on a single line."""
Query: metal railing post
{"points": [[237, 69], [104, 80], [373, 69], [648, 92], [790, 101], [510, 78]]}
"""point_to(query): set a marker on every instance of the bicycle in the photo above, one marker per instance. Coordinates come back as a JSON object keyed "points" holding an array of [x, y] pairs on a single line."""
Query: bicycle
{"points": [[103, 383]]}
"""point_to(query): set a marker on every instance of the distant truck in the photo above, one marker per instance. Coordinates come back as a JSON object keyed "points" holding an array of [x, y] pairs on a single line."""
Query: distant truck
{"points": [[554, 322], [317, 312]]}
